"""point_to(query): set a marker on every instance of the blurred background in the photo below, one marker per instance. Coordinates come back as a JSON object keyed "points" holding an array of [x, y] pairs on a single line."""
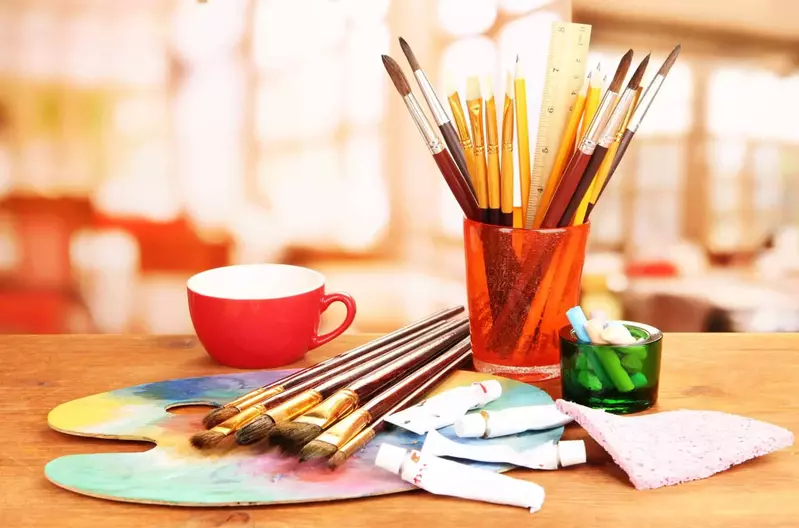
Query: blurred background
{"points": [[144, 141]]}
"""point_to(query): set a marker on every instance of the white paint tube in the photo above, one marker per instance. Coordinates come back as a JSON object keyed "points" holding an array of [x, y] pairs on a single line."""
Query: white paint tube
{"points": [[445, 477], [490, 424], [444, 409], [548, 456]]}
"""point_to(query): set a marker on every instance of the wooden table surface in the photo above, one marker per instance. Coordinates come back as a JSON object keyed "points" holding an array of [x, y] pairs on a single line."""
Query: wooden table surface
{"points": [[748, 374]]}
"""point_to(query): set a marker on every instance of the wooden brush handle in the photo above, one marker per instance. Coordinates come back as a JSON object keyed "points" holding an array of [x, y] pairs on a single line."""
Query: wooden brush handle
{"points": [[583, 185], [372, 382], [361, 353], [456, 149], [566, 188], [420, 381], [623, 144], [350, 373], [458, 186]]}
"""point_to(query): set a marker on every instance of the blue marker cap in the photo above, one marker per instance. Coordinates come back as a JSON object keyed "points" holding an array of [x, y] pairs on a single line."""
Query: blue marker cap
{"points": [[577, 319]]}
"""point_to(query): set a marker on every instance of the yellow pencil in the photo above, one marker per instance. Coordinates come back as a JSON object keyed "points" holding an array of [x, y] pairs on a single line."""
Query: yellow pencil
{"points": [[492, 147], [565, 150], [523, 141], [506, 169], [474, 104]]}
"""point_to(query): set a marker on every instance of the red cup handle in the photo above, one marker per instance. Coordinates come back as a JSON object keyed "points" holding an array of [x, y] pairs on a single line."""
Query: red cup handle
{"points": [[327, 300]]}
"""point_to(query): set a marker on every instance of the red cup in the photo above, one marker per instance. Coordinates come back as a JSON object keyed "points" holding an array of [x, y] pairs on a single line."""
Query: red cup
{"points": [[261, 315]]}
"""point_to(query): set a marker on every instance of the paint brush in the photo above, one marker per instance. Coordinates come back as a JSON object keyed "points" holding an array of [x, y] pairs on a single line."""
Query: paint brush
{"points": [[506, 167], [640, 111], [585, 149], [455, 180], [292, 436], [229, 410], [613, 125], [212, 437], [454, 99], [492, 148], [425, 378], [439, 114], [312, 396], [474, 105]]}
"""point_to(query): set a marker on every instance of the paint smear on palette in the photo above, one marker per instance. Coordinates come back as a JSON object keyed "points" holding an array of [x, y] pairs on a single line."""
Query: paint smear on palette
{"points": [[174, 473]]}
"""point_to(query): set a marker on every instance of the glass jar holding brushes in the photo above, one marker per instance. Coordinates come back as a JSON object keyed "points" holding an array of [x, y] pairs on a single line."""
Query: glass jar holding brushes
{"points": [[524, 264]]}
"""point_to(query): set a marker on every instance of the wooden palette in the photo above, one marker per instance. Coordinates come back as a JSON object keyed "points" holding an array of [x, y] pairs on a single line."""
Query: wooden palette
{"points": [[174, 473]]}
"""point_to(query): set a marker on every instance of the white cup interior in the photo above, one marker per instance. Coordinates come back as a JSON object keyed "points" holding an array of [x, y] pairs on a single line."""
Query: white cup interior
{"points": [[255, 281]]}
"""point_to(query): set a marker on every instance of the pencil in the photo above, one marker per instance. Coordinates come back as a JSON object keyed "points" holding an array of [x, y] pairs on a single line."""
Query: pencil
{"points": [[506, 169], [492, 147], [522, 134]]}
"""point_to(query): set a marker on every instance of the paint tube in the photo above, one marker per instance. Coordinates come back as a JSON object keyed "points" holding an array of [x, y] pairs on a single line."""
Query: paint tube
{"points": [[490, 424], [444, 409], [549, 455], [445, 477]]}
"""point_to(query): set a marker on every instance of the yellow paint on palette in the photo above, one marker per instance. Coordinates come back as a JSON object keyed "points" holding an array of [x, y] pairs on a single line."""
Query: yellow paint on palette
{"points": [[77, 414]]}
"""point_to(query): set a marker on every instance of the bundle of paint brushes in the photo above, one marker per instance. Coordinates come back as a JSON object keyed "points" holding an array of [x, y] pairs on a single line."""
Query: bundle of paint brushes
{"points": [[334, 408], [583, 134]]}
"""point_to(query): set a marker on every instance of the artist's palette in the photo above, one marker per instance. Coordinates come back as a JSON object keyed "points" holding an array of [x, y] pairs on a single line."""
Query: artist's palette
{"points": [[175, 473]]}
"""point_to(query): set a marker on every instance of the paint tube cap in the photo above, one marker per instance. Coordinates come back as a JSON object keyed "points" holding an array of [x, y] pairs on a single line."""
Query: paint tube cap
{"points": [[571, 452], [470, 426], [491, 390], [390, 458]]}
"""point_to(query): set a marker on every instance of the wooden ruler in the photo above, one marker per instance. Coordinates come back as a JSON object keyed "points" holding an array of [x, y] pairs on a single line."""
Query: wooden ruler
{"points": [[565, 73]]}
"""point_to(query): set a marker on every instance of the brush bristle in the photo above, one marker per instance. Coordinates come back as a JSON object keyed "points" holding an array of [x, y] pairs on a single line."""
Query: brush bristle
{"points": [[317, 449], [621, 72], [473, 87], [488, 87], [509, 85], [255, 431], [217, 416], [669, 62], [635, 80], [207, 439], [406, 49], [337, 460], [292, 436], [397, 77]]}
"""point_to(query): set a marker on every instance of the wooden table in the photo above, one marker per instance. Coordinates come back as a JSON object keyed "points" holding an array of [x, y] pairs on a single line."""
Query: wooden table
{"points": [[748, 374]]}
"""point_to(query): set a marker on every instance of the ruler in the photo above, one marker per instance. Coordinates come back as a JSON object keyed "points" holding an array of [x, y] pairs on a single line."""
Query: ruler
{"points": [[565, 73]]}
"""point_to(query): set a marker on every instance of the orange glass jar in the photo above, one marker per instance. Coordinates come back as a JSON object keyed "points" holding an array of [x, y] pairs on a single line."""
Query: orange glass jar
{"points": [[520, 283]]}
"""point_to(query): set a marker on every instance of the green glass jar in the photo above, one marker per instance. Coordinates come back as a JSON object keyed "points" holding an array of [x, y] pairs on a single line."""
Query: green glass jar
{"points": [[620, 379]]}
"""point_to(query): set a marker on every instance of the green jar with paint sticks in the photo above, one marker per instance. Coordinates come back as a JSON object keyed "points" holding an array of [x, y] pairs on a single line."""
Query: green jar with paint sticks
{"points": [[620, 379]]}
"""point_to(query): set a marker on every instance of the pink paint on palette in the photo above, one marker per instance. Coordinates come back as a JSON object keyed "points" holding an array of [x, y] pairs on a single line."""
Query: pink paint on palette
{"points": [[667, 448]]}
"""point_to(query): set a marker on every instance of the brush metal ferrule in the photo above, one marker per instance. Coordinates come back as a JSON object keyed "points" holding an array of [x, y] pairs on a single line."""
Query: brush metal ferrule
{"points": [[436, 108], [434, 144], [357, 443], [252, 399], [234, 423], [296, 406], [345, 430], [645, 102], [460, 121], [597, 125], [617, 118], [331, 410]]}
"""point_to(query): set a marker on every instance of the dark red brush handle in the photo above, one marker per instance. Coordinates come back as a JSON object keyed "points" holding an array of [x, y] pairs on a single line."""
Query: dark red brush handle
{"points": [[355, 372], [456, 149], [457, 184], [566, 187], [582, 187], [377, 379], [425, 377], [623, 144]]}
